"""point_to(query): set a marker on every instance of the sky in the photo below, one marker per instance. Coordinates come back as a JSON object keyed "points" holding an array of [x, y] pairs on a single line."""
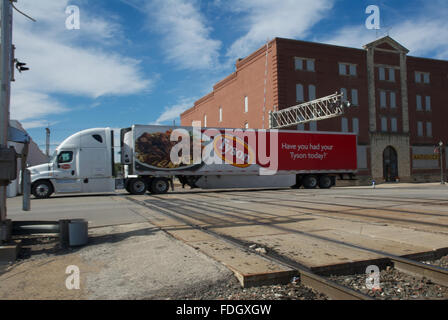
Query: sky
{"points": [[146, 61]]}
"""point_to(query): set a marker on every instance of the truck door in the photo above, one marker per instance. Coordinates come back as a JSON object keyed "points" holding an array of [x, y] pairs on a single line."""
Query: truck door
{"points": [[65, 175]]}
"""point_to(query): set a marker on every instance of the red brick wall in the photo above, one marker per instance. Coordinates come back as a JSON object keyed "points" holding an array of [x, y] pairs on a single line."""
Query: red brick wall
{"points": [[437, 90], [326, 78], [247, 80]]}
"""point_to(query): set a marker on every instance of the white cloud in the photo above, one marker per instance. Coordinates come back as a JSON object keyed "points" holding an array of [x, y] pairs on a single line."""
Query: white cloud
{"points": [[36, 124], [350, 36], [267, 19], [186, 37], [31, 105], [425, 35], [173, 112], [71, 62]]}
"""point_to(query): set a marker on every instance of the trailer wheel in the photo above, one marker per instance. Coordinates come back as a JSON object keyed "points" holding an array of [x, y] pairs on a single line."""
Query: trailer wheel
{"points": [[160, 186], [137, 186], [42, 189], [310, 182], [325, 182]]}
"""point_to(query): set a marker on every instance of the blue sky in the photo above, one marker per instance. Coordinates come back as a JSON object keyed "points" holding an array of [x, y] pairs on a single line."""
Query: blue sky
{"points": [[145, 61]]}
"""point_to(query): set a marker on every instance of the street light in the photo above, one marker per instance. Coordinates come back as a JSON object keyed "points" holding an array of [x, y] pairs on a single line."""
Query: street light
{"points": [[442, 180]]}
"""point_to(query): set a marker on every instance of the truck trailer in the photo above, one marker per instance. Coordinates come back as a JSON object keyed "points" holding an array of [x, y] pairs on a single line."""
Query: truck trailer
{"points": [[208, 158]]}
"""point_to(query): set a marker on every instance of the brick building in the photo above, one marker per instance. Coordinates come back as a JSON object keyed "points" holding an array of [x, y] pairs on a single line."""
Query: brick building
{"points": [[400, 105]]}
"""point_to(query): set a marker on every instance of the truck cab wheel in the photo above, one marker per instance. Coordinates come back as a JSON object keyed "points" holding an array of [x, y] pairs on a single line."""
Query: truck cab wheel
{"points": [[42, 189], [310, 182], [160, 186], [325, 182], [137, 186]]}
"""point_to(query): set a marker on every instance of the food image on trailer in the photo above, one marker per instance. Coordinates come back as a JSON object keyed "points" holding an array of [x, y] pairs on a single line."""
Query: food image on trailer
{"points": [[237, 151]]}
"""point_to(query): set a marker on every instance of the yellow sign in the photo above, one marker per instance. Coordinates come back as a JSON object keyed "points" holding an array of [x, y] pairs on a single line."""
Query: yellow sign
{"points": [[425, 157]]}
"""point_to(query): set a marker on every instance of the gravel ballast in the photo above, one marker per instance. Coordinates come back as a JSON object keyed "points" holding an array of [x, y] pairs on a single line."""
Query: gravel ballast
{"points": [[442, 262], [232, 290], [395, 285]]}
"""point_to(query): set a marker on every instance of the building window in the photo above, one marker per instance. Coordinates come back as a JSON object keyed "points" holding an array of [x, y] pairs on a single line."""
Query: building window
{"points": [[419, 103], [393, 125], [301, 127], [382, 73], [299, 63], [344, 124], [246, 104], [428, 129], [420, 128], [392, 99], [384, 124], [310, 65], [344, 94], [422, 77], [220, 114], [205, 121], [347, 69], [392, 74], [393, 102], [311, 92], [355, 97], [299, 93], [383, 99], [428, 103], [246, 125], [342, 69], [304, 64], [355, 123], [313, 126]]}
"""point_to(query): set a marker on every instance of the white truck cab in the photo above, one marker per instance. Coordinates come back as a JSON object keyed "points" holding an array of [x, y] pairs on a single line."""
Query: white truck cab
{"points": [[83, 163]]}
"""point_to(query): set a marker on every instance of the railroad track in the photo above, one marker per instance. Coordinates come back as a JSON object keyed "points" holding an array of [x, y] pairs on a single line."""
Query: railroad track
{"points": [[435, 274], [321, 284]]}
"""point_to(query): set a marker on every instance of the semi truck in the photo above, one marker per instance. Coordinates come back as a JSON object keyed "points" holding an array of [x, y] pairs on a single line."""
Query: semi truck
{"points": [[209, 158]]}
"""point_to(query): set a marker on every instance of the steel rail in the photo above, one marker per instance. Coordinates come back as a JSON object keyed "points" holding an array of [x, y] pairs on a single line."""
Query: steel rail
{"points": [[435, 274], [321, 284]]}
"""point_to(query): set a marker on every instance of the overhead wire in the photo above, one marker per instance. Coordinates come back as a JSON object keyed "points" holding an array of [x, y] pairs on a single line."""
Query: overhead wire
{"points": [[22, 13]]}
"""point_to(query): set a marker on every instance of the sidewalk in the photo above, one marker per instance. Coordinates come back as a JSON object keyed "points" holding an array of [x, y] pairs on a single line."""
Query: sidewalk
{"points": [[132, 261]]}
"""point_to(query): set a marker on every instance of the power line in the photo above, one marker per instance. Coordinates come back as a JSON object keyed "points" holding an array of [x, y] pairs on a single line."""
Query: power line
{"points": [[22, 13]]}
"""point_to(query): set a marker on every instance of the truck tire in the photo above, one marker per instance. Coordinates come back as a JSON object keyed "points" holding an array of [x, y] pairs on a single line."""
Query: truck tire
{"points": [[310, 182], [325, 182], [160, 186], [137, 186], [42, 189]]}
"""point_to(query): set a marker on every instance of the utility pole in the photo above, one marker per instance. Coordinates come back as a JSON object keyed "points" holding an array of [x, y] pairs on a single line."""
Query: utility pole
{"points": [[5, 90], [47, 142]]}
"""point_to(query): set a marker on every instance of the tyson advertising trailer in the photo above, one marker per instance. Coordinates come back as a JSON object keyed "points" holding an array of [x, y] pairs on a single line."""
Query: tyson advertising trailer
{"points": [[199, 157]]}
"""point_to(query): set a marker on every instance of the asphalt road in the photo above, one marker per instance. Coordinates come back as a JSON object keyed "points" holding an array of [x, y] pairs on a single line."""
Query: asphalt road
{"points": [[99, 210]]}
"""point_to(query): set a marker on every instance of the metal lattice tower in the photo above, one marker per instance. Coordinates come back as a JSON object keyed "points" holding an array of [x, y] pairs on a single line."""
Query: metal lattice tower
{"points": [[324, 108]]}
